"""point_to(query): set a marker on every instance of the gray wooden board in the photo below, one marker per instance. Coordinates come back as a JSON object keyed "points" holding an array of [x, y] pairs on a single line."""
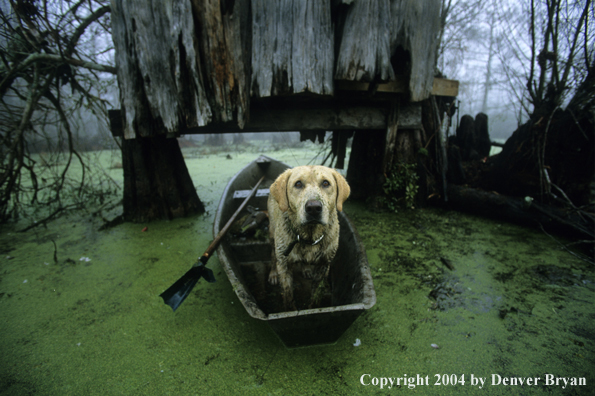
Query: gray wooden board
{"points": [[263, 192]]}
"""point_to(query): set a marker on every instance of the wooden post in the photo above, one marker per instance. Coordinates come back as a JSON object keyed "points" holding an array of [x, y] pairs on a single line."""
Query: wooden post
{"points": [[392, 127], [403, 134], [365, 173]]}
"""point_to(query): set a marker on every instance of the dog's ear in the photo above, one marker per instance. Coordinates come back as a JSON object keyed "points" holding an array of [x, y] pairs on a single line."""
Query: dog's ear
{"points": [[279, 190], [343, 189]]}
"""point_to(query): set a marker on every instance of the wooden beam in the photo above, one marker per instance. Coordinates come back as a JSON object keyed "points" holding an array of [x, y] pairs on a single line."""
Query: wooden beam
{"points": [[445, 87], [409, 116], [397, 86], [325, 117], [300, 119], [441, 86]]}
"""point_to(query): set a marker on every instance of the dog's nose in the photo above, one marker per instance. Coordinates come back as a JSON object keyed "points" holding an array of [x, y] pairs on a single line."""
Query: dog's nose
{"points": [[313, 207]]}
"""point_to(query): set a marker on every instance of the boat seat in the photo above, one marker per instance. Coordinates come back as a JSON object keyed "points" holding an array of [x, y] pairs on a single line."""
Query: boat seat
{"points": [[242, 194]]}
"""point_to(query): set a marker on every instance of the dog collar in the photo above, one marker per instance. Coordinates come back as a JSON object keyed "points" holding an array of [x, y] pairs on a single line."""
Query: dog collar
{"points": [[302, 241]]}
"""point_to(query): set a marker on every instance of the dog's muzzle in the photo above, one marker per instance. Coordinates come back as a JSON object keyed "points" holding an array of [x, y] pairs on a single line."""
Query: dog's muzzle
{"points": [[313, 211]]}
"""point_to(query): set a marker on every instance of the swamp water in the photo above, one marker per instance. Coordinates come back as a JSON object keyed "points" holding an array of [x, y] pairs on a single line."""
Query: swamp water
{"points": [[92, 323]]}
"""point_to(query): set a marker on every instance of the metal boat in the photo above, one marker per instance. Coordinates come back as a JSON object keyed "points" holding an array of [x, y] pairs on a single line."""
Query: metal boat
{"points": [[246, 262]]}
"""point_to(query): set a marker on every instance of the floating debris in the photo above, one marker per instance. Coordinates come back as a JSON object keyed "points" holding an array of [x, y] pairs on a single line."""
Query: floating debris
{"points": [[447, 263]]}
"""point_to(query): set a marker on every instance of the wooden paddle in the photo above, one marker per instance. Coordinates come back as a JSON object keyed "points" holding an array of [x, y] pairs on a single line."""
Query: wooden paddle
{"points": [[177, 293]]}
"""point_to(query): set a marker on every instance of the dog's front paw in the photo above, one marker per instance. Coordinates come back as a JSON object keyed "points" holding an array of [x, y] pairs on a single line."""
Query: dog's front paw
{"points": [[273, 277], [307, 271]]}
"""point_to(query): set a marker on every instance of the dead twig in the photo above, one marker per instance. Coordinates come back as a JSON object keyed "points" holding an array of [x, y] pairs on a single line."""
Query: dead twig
{"points": [[50, 217], [565, 247]]}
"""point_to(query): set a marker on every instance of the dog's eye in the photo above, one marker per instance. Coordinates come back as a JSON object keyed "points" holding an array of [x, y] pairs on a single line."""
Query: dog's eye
{"points": [[326, 183], [298, 184]]}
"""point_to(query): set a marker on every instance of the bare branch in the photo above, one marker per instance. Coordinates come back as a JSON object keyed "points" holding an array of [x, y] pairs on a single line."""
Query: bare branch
{"points": [[40, 57], [573, 47], [39, 49], [530, 87], [83, 26]]}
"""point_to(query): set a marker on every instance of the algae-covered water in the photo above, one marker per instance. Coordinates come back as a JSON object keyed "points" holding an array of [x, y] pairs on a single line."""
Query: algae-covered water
{"points": [[85, 317]]}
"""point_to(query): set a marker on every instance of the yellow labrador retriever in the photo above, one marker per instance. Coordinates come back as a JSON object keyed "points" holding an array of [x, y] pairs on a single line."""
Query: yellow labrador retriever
{"points": [[304, 225]]}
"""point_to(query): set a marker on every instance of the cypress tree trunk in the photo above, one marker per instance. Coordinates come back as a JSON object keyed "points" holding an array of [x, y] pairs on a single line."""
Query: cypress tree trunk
{"points": [[157, 184]]}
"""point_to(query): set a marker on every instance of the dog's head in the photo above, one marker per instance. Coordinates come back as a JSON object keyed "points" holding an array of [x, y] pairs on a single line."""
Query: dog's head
{"points": [[310, 193]]}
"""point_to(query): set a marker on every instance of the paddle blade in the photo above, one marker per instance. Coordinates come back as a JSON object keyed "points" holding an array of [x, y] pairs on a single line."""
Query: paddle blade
{"points": [[208, 275], [177, 293]]}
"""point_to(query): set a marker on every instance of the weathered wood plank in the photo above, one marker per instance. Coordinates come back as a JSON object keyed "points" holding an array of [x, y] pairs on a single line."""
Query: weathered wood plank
{"points": [[186, 64], [292, 47], [158, 69], [243, 194], [416, 24], [312, 47], [374, 30], [364, 52], [263, 47], [440, 86], [445, 87], [296, 119], [225, 54]]}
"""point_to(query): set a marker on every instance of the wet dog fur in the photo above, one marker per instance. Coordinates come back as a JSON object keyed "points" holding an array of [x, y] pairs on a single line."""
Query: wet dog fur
{"points": [[303, 202]]}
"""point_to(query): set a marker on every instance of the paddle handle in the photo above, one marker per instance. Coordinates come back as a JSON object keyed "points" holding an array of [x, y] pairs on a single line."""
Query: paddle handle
{"points": [[208, 253]]}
